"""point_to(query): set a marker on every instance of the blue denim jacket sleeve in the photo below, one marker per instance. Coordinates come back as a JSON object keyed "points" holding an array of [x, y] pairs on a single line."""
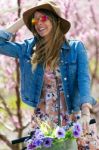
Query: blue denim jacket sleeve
{"points": [[83, 74], [9, 48]]}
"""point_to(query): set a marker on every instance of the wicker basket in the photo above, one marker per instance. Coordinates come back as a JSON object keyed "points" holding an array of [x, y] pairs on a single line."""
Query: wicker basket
{"points": [[66, 145]]}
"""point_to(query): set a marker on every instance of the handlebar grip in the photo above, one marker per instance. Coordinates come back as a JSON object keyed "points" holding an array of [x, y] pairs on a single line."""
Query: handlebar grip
{"points": [[92, 121], [16, 141]]}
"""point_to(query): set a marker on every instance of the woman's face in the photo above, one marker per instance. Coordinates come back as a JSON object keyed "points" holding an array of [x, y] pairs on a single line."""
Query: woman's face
{"points": [[43, 26]]}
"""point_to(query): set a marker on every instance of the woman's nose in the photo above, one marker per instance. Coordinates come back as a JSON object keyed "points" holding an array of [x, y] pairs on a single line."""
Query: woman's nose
{"points": [[40, 22]]}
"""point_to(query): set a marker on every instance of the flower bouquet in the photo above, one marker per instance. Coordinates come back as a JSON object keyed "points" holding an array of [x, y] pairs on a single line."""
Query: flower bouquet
{"points": [[48, 135]]}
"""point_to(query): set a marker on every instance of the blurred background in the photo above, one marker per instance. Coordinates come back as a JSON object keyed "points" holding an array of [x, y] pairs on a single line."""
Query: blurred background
{"points": [[14, 114]]}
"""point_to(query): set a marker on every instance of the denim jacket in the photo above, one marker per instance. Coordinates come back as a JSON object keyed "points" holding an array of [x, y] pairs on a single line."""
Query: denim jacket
{"points": [[73, 67]]}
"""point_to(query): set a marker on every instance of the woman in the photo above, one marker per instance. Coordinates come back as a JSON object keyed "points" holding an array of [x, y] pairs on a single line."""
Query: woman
{"points": [[49, 60]]}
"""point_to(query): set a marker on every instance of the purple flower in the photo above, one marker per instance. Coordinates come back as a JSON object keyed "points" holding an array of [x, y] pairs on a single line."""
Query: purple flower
{"points": [[76, 133], [77, 127], [60, 132], [31, 146], [38, 142], [48, 142], [77, 130], [39, 134]]}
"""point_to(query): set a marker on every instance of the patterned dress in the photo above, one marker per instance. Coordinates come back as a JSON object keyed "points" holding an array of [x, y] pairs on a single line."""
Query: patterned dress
{"points": [[49, 94]]}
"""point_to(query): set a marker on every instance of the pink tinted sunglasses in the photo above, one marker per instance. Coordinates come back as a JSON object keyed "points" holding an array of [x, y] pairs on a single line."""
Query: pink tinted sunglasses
{"points": [[35, 21]]}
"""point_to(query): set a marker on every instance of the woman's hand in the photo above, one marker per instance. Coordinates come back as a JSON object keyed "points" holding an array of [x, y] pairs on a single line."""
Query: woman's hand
{"points": [[85, 118], [15, 26]]}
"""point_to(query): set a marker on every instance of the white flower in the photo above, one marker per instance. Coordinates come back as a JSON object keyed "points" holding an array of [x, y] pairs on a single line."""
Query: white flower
{"points": [[60, 132]]}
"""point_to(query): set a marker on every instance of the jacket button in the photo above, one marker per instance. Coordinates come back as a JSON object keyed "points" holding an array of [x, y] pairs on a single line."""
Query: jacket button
{"points": [[28, 61], [62, 61], [65, 78], [66, 62], [67, 96]]}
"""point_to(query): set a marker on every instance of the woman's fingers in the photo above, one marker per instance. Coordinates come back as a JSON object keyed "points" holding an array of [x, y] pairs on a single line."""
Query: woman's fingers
{"points": [[85, 124], [86, 128]]}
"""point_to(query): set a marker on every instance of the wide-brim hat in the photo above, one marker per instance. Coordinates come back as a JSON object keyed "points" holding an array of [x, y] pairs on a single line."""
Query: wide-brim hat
{"points": [[50, 6]]}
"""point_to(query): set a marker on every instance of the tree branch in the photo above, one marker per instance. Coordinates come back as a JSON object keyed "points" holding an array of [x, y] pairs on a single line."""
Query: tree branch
{"points": [[5, 140]]}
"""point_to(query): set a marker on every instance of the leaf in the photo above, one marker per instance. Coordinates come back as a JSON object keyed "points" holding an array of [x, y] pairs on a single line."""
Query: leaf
{"points": [[69, 135], [46, 129]]}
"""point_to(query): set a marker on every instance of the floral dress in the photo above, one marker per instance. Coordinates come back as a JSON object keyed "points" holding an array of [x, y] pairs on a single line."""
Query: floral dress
{"points": [[49, 94]]}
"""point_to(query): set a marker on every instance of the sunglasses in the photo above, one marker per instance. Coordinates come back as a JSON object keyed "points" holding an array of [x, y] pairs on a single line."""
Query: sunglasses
{"points": [[35, 21]]}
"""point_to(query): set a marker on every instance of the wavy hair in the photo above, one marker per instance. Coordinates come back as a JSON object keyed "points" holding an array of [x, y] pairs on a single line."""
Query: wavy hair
{"points": [[47, 50]]}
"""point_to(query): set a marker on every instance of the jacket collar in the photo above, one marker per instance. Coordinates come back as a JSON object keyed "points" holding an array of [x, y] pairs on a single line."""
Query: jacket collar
{"points": [[65, 46]]}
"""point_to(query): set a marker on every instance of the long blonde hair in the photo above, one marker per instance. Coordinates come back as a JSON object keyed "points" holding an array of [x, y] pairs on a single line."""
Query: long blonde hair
{"points": [[47, 50]]}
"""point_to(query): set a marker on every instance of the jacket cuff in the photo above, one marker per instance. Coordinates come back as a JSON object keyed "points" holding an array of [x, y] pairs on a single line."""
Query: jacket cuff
{"points": [[5, 35], [87, 99]]}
